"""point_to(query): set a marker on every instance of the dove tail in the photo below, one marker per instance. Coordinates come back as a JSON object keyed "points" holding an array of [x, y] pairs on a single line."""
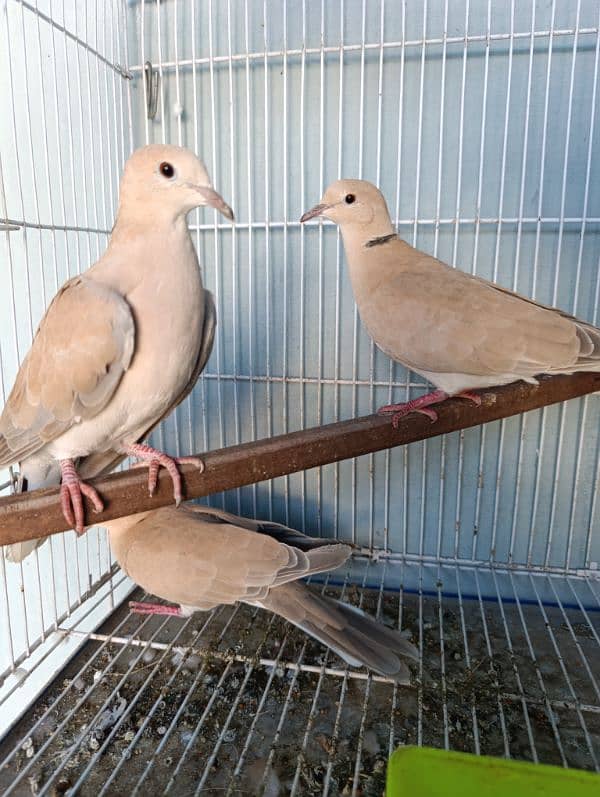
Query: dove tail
{"points": [[351, 633], [32, 477], [17, 551], [589, 340]]}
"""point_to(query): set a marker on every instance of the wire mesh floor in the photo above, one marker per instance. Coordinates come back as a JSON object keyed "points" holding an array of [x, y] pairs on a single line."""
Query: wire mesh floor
{"points": [[236, 701]]}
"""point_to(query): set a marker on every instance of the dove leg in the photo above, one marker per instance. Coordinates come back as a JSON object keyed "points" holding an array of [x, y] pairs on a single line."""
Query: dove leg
{"points": [[154, 459], [420, 404], [71, 491], [154, 608]]}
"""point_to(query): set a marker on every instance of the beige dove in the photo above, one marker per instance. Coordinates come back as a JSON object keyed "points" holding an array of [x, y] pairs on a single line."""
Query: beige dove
{"points": [[119, 346], [458, 331], [199, 558]]}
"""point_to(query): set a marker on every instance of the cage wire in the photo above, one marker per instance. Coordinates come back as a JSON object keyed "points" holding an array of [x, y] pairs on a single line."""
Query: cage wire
{"points": [[479, 122]]}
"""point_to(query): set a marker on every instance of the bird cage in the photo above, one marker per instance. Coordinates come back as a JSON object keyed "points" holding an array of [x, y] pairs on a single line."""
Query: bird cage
{"points": [[479, 122]]}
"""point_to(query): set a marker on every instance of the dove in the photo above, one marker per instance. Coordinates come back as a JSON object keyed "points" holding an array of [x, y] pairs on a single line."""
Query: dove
{"points": [[458, 331], [119, 346], [198, 557]]}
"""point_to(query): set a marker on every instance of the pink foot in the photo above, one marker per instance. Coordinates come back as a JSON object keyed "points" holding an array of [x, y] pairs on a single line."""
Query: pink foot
{"points": [[71, 491], [154, 608], [470, 396], [420, 404], [153, 459]]}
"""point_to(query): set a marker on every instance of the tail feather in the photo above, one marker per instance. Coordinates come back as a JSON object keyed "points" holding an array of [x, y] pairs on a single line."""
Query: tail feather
{"points": [[589, 338], [319, 560], [351, 633], [17, 551], [33, 475]]}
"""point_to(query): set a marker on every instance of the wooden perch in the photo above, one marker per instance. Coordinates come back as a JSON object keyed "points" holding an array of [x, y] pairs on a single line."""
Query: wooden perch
{"points": [[38, 513]]}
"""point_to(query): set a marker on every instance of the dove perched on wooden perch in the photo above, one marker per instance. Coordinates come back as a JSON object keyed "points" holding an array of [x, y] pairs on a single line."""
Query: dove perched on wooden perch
{"points": [[119, 346], [458, 331], [199, 558]]}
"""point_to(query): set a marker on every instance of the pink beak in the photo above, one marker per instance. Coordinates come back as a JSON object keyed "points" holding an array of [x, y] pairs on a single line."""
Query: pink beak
{"points": [[216, 201], [313, 212]]}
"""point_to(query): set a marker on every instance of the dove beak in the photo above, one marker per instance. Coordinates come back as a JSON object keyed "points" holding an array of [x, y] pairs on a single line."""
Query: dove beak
{"points": [[318, 210], [215, 201]]}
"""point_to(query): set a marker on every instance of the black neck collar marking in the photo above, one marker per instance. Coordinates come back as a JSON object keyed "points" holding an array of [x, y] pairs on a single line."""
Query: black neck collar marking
{"points": [[383, 239]]}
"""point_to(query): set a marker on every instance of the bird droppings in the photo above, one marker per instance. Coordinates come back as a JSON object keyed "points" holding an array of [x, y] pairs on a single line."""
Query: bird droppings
{"points": [[192, 663], [305, 727], [20, 674], [178, 658], [148, 655], [27, 746], [370, 743]]}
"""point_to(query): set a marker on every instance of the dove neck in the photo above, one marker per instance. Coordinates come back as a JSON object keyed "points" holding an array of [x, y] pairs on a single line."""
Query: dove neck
{"points": [[141, 229], [139, 217], [357, 236], [357, 240]]}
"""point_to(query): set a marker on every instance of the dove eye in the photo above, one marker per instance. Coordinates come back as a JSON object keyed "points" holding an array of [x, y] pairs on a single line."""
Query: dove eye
{"points": [[349, 199], [167, 170]]}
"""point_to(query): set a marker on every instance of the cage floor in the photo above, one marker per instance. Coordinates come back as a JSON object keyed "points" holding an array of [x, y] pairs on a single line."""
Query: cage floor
{"points": [[237, 702]]}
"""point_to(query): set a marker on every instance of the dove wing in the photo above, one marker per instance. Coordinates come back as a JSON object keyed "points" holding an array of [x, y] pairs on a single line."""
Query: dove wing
{"points": [[81, 349], [178, 555]]}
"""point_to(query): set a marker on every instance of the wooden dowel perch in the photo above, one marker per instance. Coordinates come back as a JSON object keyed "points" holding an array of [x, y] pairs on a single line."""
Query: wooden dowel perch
{"points": [[38, 513]]}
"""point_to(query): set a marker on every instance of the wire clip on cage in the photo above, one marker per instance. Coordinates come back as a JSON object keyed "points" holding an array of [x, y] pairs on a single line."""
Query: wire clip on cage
{"points": [[12, 482], [152, 78]]}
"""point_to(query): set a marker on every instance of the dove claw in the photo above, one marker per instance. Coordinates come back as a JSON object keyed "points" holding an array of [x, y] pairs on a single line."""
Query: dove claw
{"points": [[139, 607], [72, 489], [398, 411], [154, 459], [470, 396]]}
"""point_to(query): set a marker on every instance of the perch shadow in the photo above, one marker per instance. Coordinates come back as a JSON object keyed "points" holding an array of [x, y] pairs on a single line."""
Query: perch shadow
{"points": [[37, 514]]}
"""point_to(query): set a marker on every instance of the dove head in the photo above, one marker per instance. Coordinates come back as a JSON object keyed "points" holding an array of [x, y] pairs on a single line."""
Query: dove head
{"points": [[357, 206], [166, 181]]}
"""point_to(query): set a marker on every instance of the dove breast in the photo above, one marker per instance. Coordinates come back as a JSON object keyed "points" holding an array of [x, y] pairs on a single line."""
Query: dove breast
{"points": [[168, 314]]}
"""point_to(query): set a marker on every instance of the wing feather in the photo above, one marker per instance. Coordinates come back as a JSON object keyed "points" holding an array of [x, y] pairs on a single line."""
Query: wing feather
{"points": [[81, 349]]}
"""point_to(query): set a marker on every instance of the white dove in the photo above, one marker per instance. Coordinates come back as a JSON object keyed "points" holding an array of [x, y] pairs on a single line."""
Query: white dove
{"points": [[119, 346], [458, 331]]}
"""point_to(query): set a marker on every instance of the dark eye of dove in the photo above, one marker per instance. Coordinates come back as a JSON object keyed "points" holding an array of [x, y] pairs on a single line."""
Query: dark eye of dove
{"points": [[167, 170]]}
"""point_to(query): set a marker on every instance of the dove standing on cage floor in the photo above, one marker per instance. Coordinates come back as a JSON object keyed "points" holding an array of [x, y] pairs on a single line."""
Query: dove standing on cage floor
{"points": [[199, 558], [458, 331], [119, 346]]}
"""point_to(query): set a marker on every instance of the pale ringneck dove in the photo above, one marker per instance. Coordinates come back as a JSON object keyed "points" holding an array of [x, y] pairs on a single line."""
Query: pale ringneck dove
{"points": [[119, 346], [458, 331], [199, 558]]}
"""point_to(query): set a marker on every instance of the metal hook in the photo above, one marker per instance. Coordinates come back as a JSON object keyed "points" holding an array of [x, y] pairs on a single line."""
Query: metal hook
{"points": [[152, 77], [13, 482]]}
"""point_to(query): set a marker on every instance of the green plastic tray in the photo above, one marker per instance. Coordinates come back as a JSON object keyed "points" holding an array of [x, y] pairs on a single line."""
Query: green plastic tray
{"points": [[425, 772]]}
